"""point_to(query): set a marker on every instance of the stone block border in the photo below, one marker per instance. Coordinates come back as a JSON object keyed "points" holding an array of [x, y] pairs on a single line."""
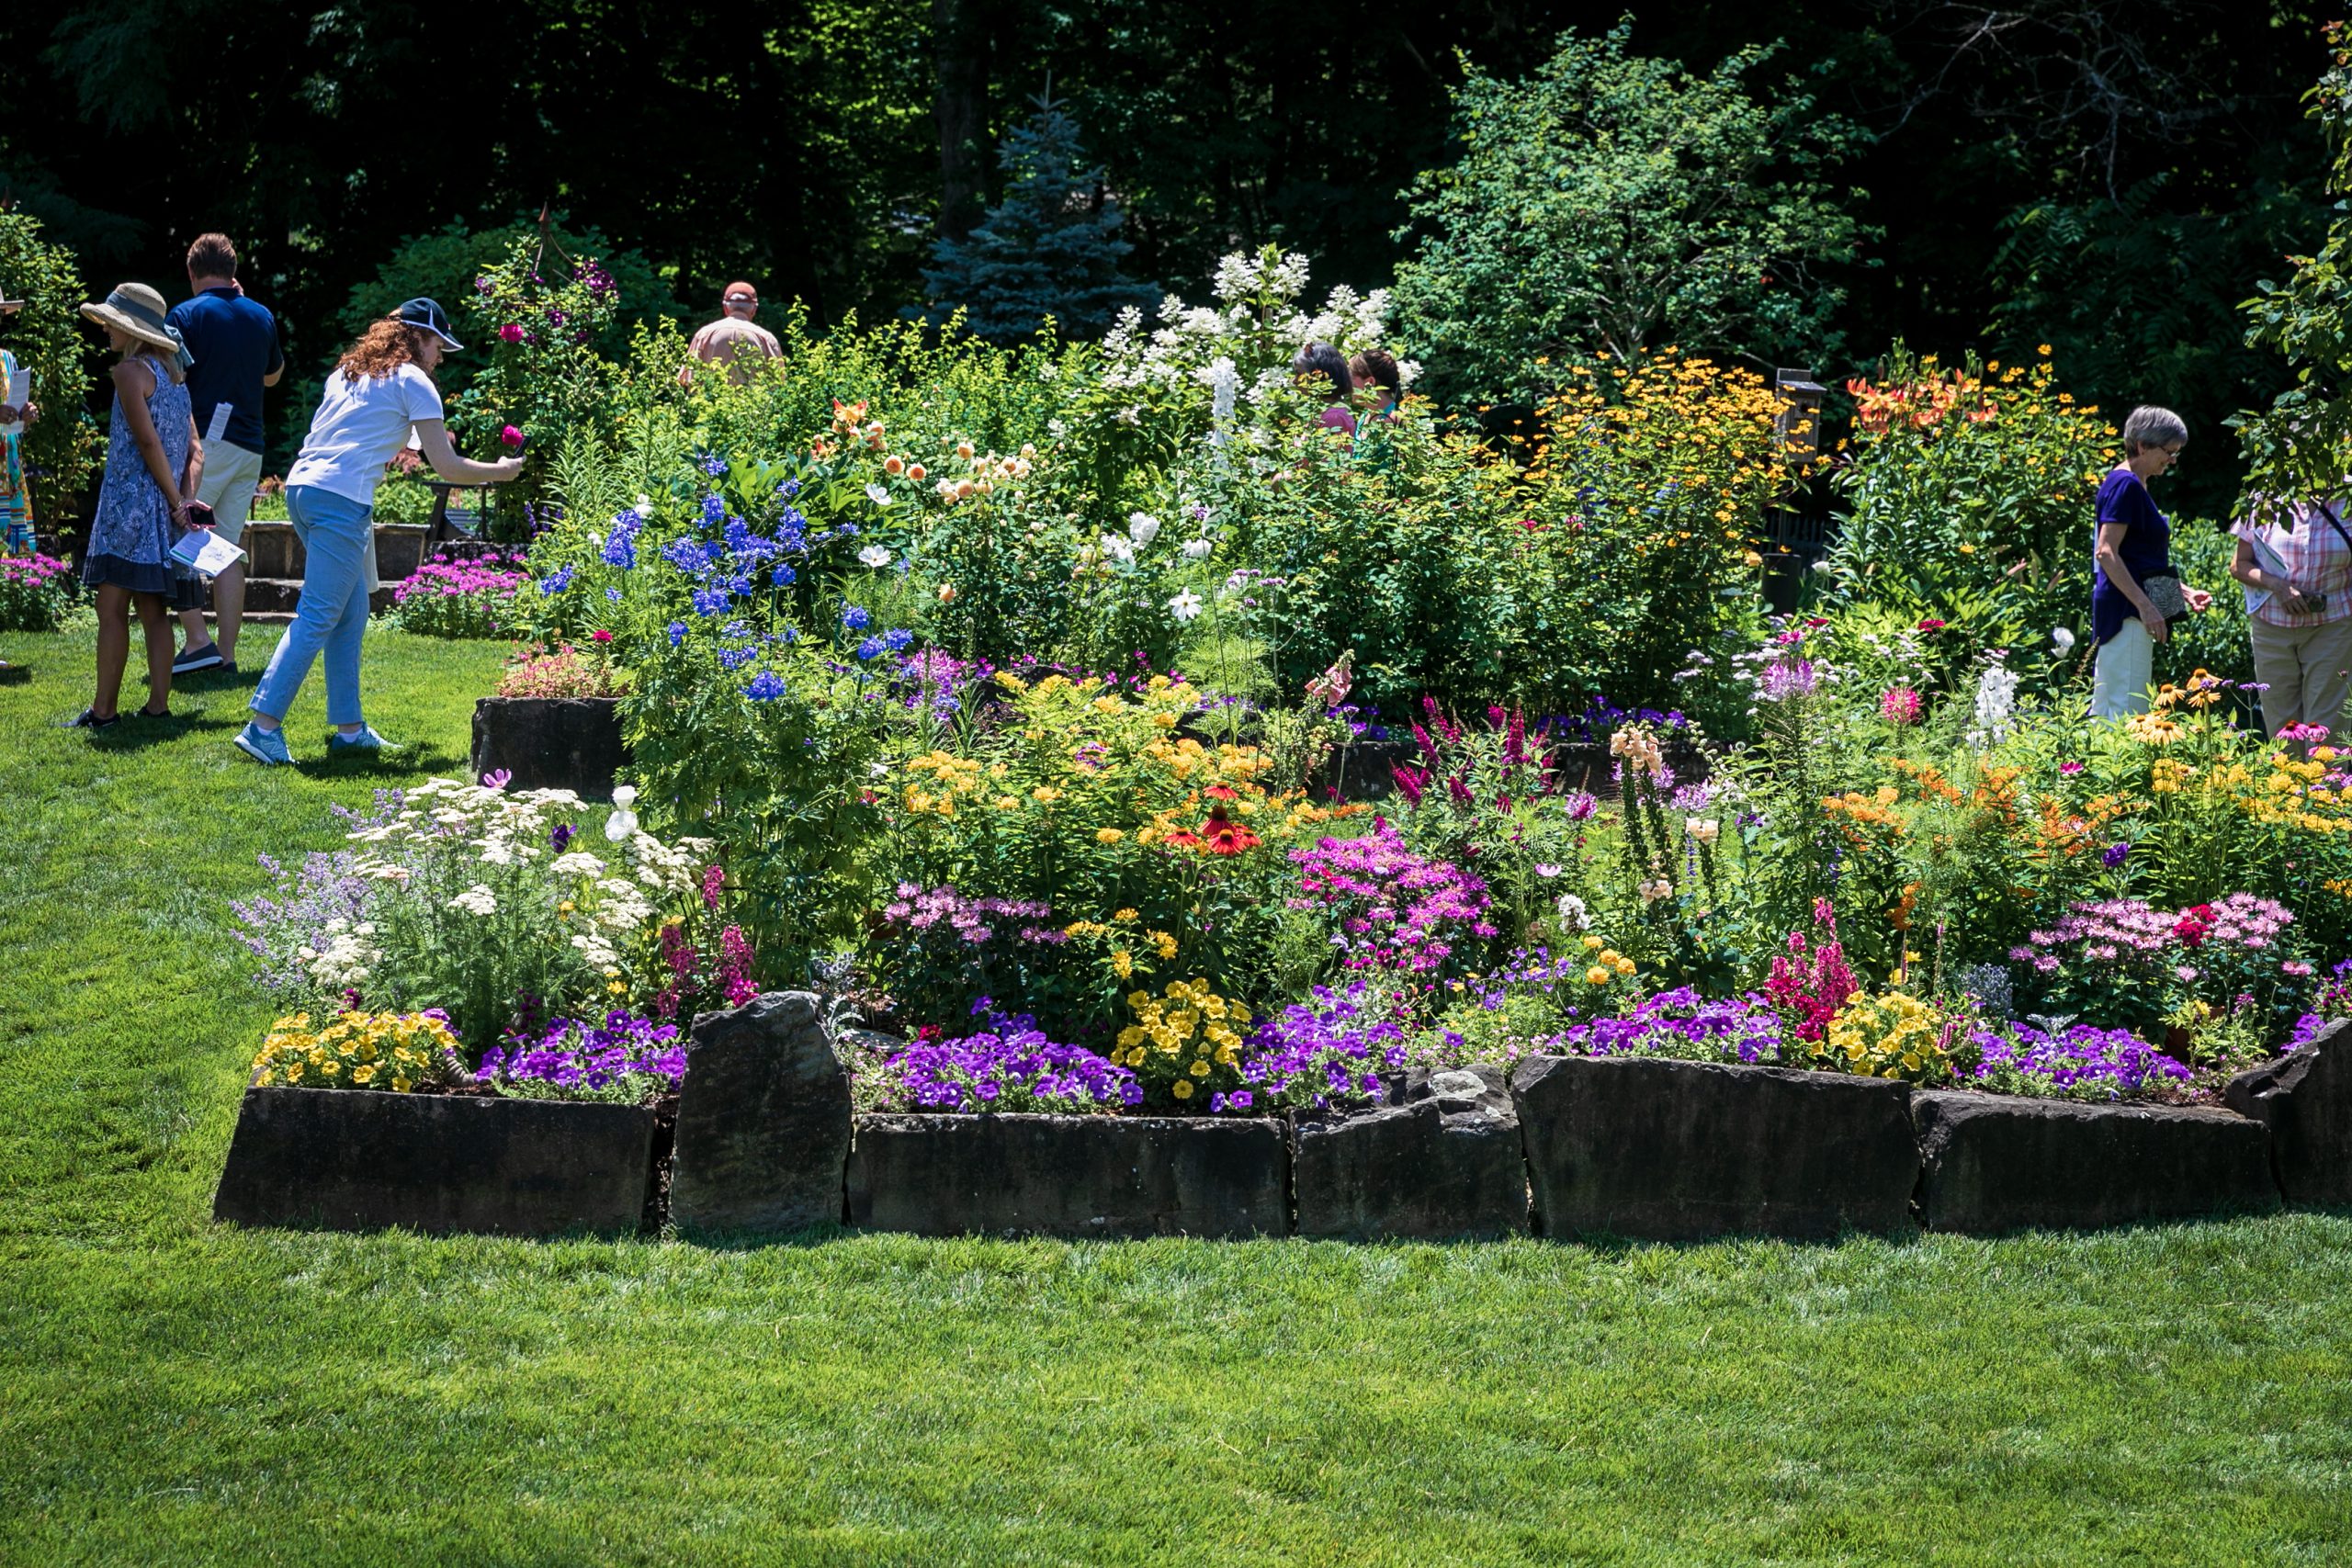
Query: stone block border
{"points": [[1069, 1176], [1629, 1147], [359, 1160], [570, 743]]}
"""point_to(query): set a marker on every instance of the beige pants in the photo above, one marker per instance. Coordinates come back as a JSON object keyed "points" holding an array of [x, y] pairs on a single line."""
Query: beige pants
{"points": [[2308, 672]]}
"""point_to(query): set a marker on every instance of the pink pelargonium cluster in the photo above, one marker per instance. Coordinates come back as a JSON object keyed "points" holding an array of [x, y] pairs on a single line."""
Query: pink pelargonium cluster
{"points": [[455, 579], [1811, 981], [36, 568], [916, 909], [1397, 909], [2131, 929]]}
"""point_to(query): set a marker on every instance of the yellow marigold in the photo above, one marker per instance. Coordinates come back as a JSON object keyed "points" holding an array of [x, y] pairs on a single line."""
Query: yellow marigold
{"points": [[1123, 917], [1045, 794], [1111, 836], [1597, 975]]}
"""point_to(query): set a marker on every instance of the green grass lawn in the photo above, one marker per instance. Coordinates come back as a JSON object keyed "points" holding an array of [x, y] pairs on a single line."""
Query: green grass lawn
{"points": [[175, 1393]]}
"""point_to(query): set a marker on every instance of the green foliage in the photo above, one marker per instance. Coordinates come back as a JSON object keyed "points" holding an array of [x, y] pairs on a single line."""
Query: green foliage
{"points": [[2141, 300], [1049, 251], [1614, 202], [2301, 445], [1968, 500], [61, 451], [447, 266]]}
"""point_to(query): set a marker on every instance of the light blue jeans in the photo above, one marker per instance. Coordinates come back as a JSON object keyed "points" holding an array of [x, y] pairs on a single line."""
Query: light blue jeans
{"points": [[338, 546]]}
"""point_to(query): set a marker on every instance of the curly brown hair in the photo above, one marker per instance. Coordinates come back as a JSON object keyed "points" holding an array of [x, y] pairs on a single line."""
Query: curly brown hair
{"points": [[383, 348]]}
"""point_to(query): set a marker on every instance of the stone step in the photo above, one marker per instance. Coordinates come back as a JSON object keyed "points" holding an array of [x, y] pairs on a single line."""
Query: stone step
{"points": [[275, 598]]}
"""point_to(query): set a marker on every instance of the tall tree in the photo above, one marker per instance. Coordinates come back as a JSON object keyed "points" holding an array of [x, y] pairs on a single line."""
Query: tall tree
{"points": [[1050, 249], [1613, 202]]}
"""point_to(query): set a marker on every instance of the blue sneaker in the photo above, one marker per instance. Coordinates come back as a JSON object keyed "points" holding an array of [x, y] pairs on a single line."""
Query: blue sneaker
{"points": [[266, 747], [366, 741]]}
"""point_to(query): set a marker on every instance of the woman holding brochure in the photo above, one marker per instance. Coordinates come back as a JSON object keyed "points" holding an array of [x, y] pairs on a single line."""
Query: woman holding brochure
{"points": [[381, 390], [2296, 563], [146, 501]]}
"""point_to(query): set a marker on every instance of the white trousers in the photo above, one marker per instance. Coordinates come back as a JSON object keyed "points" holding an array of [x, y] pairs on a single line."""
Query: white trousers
{"points": [[2123, 672]]}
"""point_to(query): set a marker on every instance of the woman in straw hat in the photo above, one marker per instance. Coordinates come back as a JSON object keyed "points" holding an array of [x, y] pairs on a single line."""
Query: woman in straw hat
{"points": [[153, 464], [380, 391]]}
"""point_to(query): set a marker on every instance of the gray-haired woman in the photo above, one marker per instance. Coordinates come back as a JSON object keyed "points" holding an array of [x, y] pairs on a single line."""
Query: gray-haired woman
{"points": [[2134, 589]]}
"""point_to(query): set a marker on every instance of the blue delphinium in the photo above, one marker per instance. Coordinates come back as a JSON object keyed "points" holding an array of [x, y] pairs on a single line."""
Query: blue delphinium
{"points": [[855, 618], [677, 633], [870, 648], [711, 601], [897, 640], [765, 686], [556, 580]]}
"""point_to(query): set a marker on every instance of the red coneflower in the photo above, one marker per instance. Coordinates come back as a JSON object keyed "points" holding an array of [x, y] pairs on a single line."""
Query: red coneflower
{"points": [[1221, 792], [1221, 836]]}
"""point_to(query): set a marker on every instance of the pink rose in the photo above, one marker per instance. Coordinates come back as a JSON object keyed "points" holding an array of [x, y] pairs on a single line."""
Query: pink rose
{"points": [[511, 436], [511, 333]]}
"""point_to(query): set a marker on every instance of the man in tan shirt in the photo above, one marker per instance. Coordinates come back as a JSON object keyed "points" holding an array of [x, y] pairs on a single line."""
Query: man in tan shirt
{"points": [[732, 341]]}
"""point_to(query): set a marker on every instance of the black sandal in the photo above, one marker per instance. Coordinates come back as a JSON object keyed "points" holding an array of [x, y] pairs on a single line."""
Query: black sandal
{"points": [[90, 720]]}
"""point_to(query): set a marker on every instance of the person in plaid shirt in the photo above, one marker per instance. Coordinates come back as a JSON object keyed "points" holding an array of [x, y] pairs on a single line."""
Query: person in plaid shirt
{"points": [[2296, 563]]}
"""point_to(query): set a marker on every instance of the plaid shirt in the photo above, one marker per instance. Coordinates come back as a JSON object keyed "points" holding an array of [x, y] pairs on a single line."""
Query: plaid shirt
{"points": [[2316, 561]]}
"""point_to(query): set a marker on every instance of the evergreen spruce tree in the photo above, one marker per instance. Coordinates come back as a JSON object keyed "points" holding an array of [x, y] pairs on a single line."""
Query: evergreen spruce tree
{"points": [[1050, 248]]}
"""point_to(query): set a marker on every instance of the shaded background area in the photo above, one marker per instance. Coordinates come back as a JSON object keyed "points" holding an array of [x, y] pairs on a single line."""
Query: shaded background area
{"points": [[2110, 179]]}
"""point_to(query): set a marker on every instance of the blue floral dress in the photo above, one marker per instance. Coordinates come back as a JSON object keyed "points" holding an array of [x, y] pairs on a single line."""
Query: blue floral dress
{"points": [[132, 534]]}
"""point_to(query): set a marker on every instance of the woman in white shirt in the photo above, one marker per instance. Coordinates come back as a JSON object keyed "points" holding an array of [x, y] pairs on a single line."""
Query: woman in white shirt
{"points": [[2296, 562], [381, 390]]}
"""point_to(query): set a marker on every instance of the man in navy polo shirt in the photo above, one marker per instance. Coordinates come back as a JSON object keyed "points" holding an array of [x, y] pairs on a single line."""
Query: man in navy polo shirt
{"points": [[234, 344]]}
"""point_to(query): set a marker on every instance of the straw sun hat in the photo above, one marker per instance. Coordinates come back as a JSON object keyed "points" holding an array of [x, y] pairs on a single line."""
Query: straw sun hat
{"points": [[138, 310]]}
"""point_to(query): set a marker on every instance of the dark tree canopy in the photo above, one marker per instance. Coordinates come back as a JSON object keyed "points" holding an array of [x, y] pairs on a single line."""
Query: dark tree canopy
{"points": [[2042, 172]]}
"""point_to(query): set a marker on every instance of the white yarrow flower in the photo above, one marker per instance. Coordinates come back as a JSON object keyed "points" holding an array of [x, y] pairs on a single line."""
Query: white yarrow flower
{"points": [[1142, 527], [1573, 913], [1185, 605]]}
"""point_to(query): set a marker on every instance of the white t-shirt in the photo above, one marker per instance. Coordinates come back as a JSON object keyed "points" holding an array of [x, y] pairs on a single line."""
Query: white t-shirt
{"points": [[361, 426]]}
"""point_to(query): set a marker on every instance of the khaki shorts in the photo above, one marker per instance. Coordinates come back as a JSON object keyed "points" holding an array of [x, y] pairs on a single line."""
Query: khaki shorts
{"points": [[231, 474]]}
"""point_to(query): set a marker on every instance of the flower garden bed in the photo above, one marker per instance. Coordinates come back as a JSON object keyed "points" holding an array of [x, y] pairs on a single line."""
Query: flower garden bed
{"points": [[1027, 748]]}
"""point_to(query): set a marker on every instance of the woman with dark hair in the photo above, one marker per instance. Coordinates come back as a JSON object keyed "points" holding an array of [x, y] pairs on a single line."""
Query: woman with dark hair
{"points": [[379, 392], [1374, 374], [1321, 359]]}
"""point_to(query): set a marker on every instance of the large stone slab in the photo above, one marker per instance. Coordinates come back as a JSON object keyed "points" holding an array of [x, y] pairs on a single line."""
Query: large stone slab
{"points": [[764, 1120], [570, 743], [1993, 1163], [358, 1159], [1674, 1151], [2305, 1098], [1445, 1164], [1069, 1176]]}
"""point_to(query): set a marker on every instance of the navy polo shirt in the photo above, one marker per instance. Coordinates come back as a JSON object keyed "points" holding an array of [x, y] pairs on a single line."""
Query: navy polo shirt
{"points": [[234, 344]]}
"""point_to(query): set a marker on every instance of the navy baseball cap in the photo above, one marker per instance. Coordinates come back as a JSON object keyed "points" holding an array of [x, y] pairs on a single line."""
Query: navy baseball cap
{"points": [[428, 314]]}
